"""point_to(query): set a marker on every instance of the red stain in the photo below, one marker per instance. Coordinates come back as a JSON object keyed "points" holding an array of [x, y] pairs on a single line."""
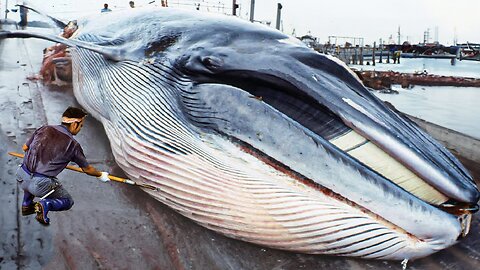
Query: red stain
{"points": [[168, 238]]}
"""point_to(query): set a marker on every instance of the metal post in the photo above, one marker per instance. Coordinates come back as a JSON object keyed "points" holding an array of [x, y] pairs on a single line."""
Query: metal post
{"points": [[380, 47], [252, 9], [373, 53], [6, 9], [355, 59], [234, 8], [361, 55], [23, 16], [279, 15], [388, 55]]}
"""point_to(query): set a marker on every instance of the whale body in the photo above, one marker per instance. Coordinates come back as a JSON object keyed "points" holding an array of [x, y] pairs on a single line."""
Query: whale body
{"points": [[249, 133]]}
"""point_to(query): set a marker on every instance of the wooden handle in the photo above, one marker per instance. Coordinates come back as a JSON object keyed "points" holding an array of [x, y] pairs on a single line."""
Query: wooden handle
{"points": [[111, 177]]}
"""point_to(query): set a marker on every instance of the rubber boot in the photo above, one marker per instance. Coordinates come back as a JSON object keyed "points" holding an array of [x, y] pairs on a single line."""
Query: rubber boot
{"points": [[27, 204], [42, 207]]}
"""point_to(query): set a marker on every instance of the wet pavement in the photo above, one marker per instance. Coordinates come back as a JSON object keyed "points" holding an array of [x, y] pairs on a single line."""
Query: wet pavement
{"points": [[116, 226]]}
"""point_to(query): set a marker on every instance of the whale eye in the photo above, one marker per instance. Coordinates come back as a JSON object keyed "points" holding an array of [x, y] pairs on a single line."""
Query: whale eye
{"points": [[211, 62]]}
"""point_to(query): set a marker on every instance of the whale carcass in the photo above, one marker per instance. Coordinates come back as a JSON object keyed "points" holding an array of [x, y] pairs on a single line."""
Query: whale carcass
{"points": [[251, 134]]}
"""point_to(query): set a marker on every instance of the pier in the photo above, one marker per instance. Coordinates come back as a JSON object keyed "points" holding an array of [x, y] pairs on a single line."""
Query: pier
{"points": [[352, 50], [359, 55], [380, 80]]}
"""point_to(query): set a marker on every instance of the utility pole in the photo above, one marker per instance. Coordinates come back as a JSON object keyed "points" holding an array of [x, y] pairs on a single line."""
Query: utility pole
{"points": [[6, 9], [455, 36], [234, 8], [279, 15], [252, 9], [398, 37], [426, 36]]}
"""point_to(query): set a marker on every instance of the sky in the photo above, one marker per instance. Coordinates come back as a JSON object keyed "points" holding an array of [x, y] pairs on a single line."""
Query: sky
{"points": [[375, 19], [369, 19]]}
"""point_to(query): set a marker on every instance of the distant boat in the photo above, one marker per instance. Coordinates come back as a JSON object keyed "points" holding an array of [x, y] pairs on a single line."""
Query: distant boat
{"points": [[469, 51], [428, 50]]}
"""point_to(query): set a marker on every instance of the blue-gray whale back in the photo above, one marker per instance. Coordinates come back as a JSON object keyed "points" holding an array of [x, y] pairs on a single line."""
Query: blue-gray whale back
{"points": [[249, 133]]}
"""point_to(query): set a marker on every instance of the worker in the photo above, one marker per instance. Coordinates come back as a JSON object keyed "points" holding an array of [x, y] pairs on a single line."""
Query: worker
{"points": [[48, 152], [105, 8], [397, 56]]}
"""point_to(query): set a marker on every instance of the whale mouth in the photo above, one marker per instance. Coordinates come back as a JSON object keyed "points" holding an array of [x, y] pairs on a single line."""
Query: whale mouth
{"points": [[323, 122], [328, 125]]}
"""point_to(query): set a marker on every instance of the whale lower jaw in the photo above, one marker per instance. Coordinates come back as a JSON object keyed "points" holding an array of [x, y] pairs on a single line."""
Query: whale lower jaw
{"points": [[263, 205]]}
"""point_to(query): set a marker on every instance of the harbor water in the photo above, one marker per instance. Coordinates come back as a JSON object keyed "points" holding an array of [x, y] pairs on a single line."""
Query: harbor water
{"points": [[464, 68], [452, 107]]}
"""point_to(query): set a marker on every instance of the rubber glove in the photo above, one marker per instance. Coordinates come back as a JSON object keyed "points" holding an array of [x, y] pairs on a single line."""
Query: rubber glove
{"points": [[104, 177]]}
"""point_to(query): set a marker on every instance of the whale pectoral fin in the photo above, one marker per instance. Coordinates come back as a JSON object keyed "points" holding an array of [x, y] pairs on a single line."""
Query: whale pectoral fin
{"points": [[109, 53]]}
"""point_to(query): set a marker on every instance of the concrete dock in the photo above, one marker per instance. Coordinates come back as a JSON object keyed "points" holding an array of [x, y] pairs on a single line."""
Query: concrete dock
{"points": [[116, 226]]}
